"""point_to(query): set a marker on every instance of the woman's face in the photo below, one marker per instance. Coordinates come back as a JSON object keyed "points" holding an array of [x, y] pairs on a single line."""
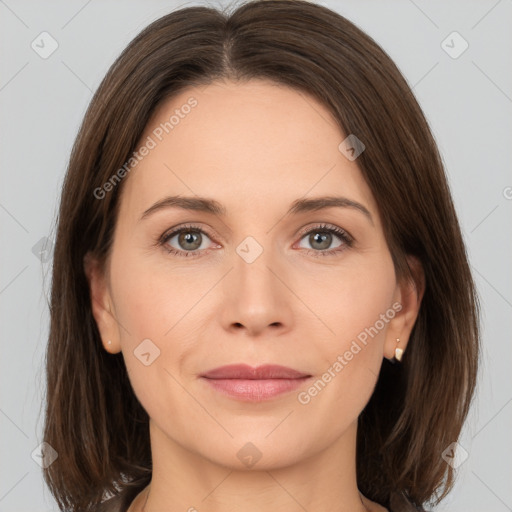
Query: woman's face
{"points": [[258, 280]]}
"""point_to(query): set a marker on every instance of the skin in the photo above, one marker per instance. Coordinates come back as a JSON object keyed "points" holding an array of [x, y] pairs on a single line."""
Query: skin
{"points": [[255, 147]]}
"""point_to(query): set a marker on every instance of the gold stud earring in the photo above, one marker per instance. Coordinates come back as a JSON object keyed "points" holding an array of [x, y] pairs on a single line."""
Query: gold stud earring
{"points": [[398, 351]]}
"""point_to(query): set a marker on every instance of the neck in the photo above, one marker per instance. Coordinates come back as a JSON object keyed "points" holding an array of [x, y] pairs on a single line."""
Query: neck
{"points": [[184, 480]]}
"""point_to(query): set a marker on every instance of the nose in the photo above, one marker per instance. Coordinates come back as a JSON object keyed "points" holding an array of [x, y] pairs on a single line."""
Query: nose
{"points": [[257, 298]]}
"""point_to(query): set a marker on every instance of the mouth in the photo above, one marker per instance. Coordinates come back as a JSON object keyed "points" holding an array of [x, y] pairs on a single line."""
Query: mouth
{"points": [[242, 382]]}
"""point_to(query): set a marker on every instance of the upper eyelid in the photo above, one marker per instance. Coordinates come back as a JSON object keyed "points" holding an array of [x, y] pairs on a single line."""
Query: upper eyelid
{"points": [[171, 233], [327, 226]]}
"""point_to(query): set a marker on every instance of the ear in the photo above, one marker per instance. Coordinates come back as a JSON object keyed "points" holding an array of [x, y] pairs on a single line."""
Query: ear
{"points": [[409, 295], [101, 304]]}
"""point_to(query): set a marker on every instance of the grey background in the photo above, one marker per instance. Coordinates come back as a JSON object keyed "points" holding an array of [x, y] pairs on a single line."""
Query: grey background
{"points": [[467, 100]]}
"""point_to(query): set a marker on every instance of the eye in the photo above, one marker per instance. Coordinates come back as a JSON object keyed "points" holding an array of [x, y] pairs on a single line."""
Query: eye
{"points": [[321, 237], [189, 241]]}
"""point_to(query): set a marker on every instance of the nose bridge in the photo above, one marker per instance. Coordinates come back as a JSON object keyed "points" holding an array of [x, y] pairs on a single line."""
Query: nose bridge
{"points": [[256, 297], [253, 261]]}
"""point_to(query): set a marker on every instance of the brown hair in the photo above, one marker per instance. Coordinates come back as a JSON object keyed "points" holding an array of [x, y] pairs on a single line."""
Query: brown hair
{"points": [[93, 419]]}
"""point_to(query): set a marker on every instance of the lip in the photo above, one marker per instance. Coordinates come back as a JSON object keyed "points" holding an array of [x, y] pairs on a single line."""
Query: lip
{"points": [[245, 383], [244, 371]]}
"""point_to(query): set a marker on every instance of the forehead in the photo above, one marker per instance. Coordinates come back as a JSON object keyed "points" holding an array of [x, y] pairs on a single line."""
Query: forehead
{"points": [[243, 144]]}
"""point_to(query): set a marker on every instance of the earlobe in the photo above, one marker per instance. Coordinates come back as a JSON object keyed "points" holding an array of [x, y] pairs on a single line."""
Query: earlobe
{"points": [[101, 304], [409, 295]]}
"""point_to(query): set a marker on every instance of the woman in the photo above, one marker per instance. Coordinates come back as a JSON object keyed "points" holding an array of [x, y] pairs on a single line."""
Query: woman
{"points": [[261, 297]]}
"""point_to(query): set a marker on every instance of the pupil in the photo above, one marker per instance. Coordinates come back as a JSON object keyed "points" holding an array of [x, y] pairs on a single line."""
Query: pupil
{"points": [[188, 238], [322, 238]]}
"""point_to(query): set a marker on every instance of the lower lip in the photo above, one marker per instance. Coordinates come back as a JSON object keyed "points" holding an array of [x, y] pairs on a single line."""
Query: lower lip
{"points": [[255, 390]]}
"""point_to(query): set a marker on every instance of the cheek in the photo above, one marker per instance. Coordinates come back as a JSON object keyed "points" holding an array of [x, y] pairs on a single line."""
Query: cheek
{"points": [[145, 313], [145, 301], [357, 310], [352, 301]]}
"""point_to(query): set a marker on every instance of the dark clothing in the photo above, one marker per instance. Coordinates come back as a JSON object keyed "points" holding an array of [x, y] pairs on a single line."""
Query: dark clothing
{"points": [[399, 503]]}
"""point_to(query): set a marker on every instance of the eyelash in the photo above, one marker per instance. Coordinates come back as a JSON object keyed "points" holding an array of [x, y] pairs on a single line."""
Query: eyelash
{"points": [[323, 228]]}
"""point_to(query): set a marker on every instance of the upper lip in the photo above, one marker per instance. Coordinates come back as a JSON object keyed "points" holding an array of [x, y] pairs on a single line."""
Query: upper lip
{"points": [[244, 371]]}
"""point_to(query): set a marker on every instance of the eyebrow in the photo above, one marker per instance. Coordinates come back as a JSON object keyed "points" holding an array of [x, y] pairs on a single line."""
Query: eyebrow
{"points": [[203, 204]]}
